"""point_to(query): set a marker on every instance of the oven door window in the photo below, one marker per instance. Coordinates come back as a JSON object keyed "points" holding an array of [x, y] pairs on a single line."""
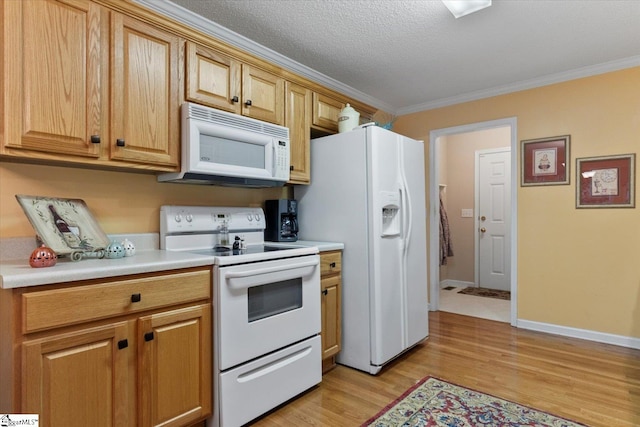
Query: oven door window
{"points": [[272, 299]]}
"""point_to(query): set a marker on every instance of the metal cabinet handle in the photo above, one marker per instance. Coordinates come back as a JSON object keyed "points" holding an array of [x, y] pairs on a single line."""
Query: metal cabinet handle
{"points": [[325, 292], [291, 168], [332, 265], [123, 344], [95, 139], [136, 297], [120, 142], [248, 103], [234, 99], [148, 336]]}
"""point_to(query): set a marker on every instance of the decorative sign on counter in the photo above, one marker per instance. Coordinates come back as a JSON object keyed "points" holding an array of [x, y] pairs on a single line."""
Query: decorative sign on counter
{"points": [[65, 225]]}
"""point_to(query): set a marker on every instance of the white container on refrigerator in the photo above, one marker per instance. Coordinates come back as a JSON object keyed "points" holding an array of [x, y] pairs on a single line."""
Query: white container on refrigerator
{"points": [[368, 191]]}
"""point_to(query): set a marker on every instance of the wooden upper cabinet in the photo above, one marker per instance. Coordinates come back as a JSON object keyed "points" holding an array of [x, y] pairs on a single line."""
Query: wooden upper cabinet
{"points": [[145, 95], [298, 120], [262, 95], [213, 79], [326, 111], [219, 81], [55, 76]]}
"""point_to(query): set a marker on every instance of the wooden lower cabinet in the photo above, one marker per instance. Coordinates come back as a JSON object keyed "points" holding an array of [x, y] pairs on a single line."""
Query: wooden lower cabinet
{"points": [[81, 378], [330, 282], [175, 367], [147, 362]]}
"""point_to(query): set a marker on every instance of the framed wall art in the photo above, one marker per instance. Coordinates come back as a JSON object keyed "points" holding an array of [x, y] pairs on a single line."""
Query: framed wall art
{"points": [[545, 161], [606, 182]]}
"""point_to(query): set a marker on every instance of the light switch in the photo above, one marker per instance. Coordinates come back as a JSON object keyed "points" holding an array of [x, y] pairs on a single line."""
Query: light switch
{"points": [[467, 213]]}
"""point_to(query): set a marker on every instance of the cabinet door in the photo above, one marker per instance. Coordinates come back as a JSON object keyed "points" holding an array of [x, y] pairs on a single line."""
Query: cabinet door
{"points": [[326, 112], [55, 65], [213, 79], [81, 379], [144, 94], [298, 120], [262, 95], [175, 377], [331, 330]]}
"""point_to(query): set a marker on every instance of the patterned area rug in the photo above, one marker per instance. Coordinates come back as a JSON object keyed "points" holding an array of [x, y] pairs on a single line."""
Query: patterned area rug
{"points": [[436, 403], [485, 292]]}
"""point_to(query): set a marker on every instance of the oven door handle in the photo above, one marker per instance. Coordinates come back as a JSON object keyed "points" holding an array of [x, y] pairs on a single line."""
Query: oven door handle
{"points": [[267, 270]]}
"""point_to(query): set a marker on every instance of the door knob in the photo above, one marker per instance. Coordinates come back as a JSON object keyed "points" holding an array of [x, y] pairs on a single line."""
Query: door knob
{"points": [[482, 230], [483, 218]]}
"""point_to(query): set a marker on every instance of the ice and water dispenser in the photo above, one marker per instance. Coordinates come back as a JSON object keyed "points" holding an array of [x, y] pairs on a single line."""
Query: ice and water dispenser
{"points": [[390, 201]]}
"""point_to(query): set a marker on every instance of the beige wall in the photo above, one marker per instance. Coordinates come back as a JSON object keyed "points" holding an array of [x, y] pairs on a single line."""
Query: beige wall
{"points": [[121, 202], [459, 175], [576, 267]]}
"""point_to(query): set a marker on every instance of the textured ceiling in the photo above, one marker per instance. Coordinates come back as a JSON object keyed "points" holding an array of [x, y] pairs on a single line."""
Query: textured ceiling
{"points": [[411, 55]]}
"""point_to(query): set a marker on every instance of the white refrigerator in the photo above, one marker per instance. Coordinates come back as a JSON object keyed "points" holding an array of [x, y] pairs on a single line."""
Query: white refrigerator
{"points": [[368, 191]]}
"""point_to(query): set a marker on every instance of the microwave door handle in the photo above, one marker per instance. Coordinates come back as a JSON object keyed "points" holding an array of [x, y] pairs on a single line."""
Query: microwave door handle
{"points": [[295, 225]]}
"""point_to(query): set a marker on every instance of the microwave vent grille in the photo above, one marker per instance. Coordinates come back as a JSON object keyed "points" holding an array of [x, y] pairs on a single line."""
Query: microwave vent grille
{"points": [[240, 122]]}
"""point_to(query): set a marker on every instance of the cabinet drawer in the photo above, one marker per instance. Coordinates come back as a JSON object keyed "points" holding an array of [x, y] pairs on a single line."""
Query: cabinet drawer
{"points": [[330, 262], [107, 298]]}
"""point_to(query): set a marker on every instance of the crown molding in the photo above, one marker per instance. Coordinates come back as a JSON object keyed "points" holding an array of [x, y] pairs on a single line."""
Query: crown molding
{"points": [[578, 73]]}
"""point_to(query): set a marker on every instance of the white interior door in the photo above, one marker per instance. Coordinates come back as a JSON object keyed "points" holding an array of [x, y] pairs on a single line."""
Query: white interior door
{"points": [[494, 210]]}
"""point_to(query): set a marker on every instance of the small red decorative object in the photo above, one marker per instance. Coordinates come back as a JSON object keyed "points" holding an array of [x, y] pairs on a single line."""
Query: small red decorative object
{"points": [[43, 257]]}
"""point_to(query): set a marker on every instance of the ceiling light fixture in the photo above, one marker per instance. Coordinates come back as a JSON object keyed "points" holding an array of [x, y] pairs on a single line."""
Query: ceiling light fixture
{"points": [[460, 8]]}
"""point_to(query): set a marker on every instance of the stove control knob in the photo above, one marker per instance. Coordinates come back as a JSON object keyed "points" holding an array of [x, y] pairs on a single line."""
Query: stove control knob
{"points": [[189, 217], [178, 218], [257, 217], [250, 217]]}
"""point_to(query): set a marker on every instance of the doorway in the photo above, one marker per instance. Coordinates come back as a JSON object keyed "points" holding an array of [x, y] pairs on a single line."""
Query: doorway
{"points": [[468, 214]]}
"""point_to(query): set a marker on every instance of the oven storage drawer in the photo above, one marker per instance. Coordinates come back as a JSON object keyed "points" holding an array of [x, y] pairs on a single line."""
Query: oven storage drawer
{"points": [[269, 381]]}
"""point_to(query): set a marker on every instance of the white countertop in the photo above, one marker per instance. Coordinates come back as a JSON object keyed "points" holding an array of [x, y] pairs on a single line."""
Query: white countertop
{"points": [[18, 273]]}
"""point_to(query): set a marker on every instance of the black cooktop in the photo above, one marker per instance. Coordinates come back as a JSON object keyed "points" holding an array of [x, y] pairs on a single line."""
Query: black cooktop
{"points": [[251, 249]]}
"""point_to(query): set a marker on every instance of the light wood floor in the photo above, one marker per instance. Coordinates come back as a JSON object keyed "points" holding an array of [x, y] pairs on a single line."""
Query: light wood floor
{"points": [[591, 383]]}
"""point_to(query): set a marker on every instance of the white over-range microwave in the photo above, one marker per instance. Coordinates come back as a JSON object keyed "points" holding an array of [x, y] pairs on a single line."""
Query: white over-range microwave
{"points": [[227, 149]]}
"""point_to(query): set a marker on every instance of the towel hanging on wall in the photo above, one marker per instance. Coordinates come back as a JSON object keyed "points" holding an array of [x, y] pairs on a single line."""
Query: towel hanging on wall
{"points": [[446, 247]]}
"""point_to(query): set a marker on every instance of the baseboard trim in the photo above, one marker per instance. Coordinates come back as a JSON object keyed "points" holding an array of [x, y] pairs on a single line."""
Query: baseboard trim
{"points": [[456, 283], [585, 334]]}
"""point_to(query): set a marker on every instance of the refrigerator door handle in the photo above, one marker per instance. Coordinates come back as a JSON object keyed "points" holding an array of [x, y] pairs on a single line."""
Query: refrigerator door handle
{"points": [[406, 205]]}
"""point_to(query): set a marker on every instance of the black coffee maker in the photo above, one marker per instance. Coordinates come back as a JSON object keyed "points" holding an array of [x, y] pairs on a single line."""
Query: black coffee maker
{"points": [[282, 220]]}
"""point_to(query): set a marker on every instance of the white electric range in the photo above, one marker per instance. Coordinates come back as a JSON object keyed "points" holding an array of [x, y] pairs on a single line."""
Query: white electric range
{"points": [[266, 304]]}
